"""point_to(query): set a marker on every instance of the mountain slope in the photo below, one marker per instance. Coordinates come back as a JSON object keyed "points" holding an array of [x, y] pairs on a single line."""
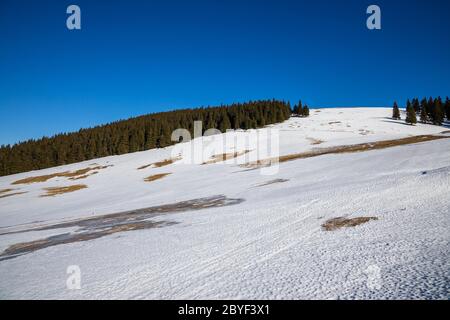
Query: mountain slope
{"points": [[220, 230]]}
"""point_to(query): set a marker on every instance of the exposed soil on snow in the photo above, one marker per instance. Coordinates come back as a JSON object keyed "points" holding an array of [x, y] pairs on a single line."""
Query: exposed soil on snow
{"points": [[340, 222], [159, 164], [272, 182], [83, 176], [11, 194], [54, 191], [97, 227], [225, 156], [72, 175], [345, 149], [315, 141], [5, 190], [156, 177]]}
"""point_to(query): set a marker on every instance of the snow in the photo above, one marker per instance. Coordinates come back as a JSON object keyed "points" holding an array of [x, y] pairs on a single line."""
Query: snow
{"points": [[271, 245]]}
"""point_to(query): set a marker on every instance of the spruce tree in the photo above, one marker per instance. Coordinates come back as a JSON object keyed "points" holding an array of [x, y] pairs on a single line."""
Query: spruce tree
{"points": [[437, 112], [447, 108], [299, 110], [423, 115], [395, 112], [416, 105], [305, 111], [410, 115]]}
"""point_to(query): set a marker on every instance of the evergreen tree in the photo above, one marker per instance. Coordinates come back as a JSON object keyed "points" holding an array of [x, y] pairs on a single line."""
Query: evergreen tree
{"points": [[447, 108], [408, 104], [410, 115], [299, 109], [305, 111], [423, 115], [395, 112], [424, 106], [416, 105], [437, 112]]}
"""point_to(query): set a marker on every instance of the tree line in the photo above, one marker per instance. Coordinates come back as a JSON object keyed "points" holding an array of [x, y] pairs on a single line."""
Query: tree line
{"points": [[135, 134], [431, 110], [301, 110]]}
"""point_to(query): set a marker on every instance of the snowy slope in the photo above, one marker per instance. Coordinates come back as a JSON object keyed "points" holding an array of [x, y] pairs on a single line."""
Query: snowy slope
{"points": [[267, 240]]}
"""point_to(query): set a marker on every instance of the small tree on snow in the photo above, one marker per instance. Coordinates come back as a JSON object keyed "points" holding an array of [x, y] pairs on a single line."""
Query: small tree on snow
{"points": [[395, 112], [305, 111], [411, 116]]}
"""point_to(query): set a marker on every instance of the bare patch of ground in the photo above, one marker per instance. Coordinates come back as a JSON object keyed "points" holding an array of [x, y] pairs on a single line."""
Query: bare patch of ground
{"points": [[225, 156], [344, 149], [83, 176], [66, 174], [159, 164], [156, 177], [53, 191], [340, 222], [334, 122], [314, 141], [99, 226], [272, 182], [12, 194], [6, 190]]}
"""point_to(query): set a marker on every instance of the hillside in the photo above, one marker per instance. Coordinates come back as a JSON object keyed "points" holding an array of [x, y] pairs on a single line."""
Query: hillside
{"points": [[135, 134], [357, 207]]}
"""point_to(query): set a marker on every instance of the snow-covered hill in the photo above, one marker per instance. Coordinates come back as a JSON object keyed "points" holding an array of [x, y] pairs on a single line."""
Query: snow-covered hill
{"points": [[153, 225]]}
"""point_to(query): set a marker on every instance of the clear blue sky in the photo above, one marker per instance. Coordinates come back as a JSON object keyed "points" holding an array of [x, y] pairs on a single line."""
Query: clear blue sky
{"points": [[137, 57]]}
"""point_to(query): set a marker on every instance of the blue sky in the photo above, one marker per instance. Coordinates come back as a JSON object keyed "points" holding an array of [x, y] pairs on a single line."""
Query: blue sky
{"points": [[137, 57]]}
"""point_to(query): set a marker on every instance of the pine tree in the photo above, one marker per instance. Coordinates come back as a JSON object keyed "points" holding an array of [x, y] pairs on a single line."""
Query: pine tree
{"points": [[416, 105], [423, 115], [410, 115], [395, 112], [299, 109], [408, 104], [437, 112], [305, 111], [447, 108]]}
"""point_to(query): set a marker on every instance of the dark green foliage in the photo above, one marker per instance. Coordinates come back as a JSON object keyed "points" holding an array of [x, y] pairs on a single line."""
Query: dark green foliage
{"points": [[135, 134], [447, 108], [305, 111], [437, 112], [431, 110], [423, 115], [395, 112], [410, 115], [298, 108]]}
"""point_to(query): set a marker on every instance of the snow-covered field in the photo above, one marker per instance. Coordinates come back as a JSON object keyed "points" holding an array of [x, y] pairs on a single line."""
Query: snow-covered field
{"points": [[245, 234]]}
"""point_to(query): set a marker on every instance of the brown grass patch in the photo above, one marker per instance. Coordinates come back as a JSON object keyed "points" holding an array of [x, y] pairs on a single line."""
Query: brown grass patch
{"points": [[340, 222], [73, 175], [6, 190], [156, 177], [314, 141], [159, 164], [345, 149], [53, 191], [12, 194], [83, 176], [225, 156]]}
